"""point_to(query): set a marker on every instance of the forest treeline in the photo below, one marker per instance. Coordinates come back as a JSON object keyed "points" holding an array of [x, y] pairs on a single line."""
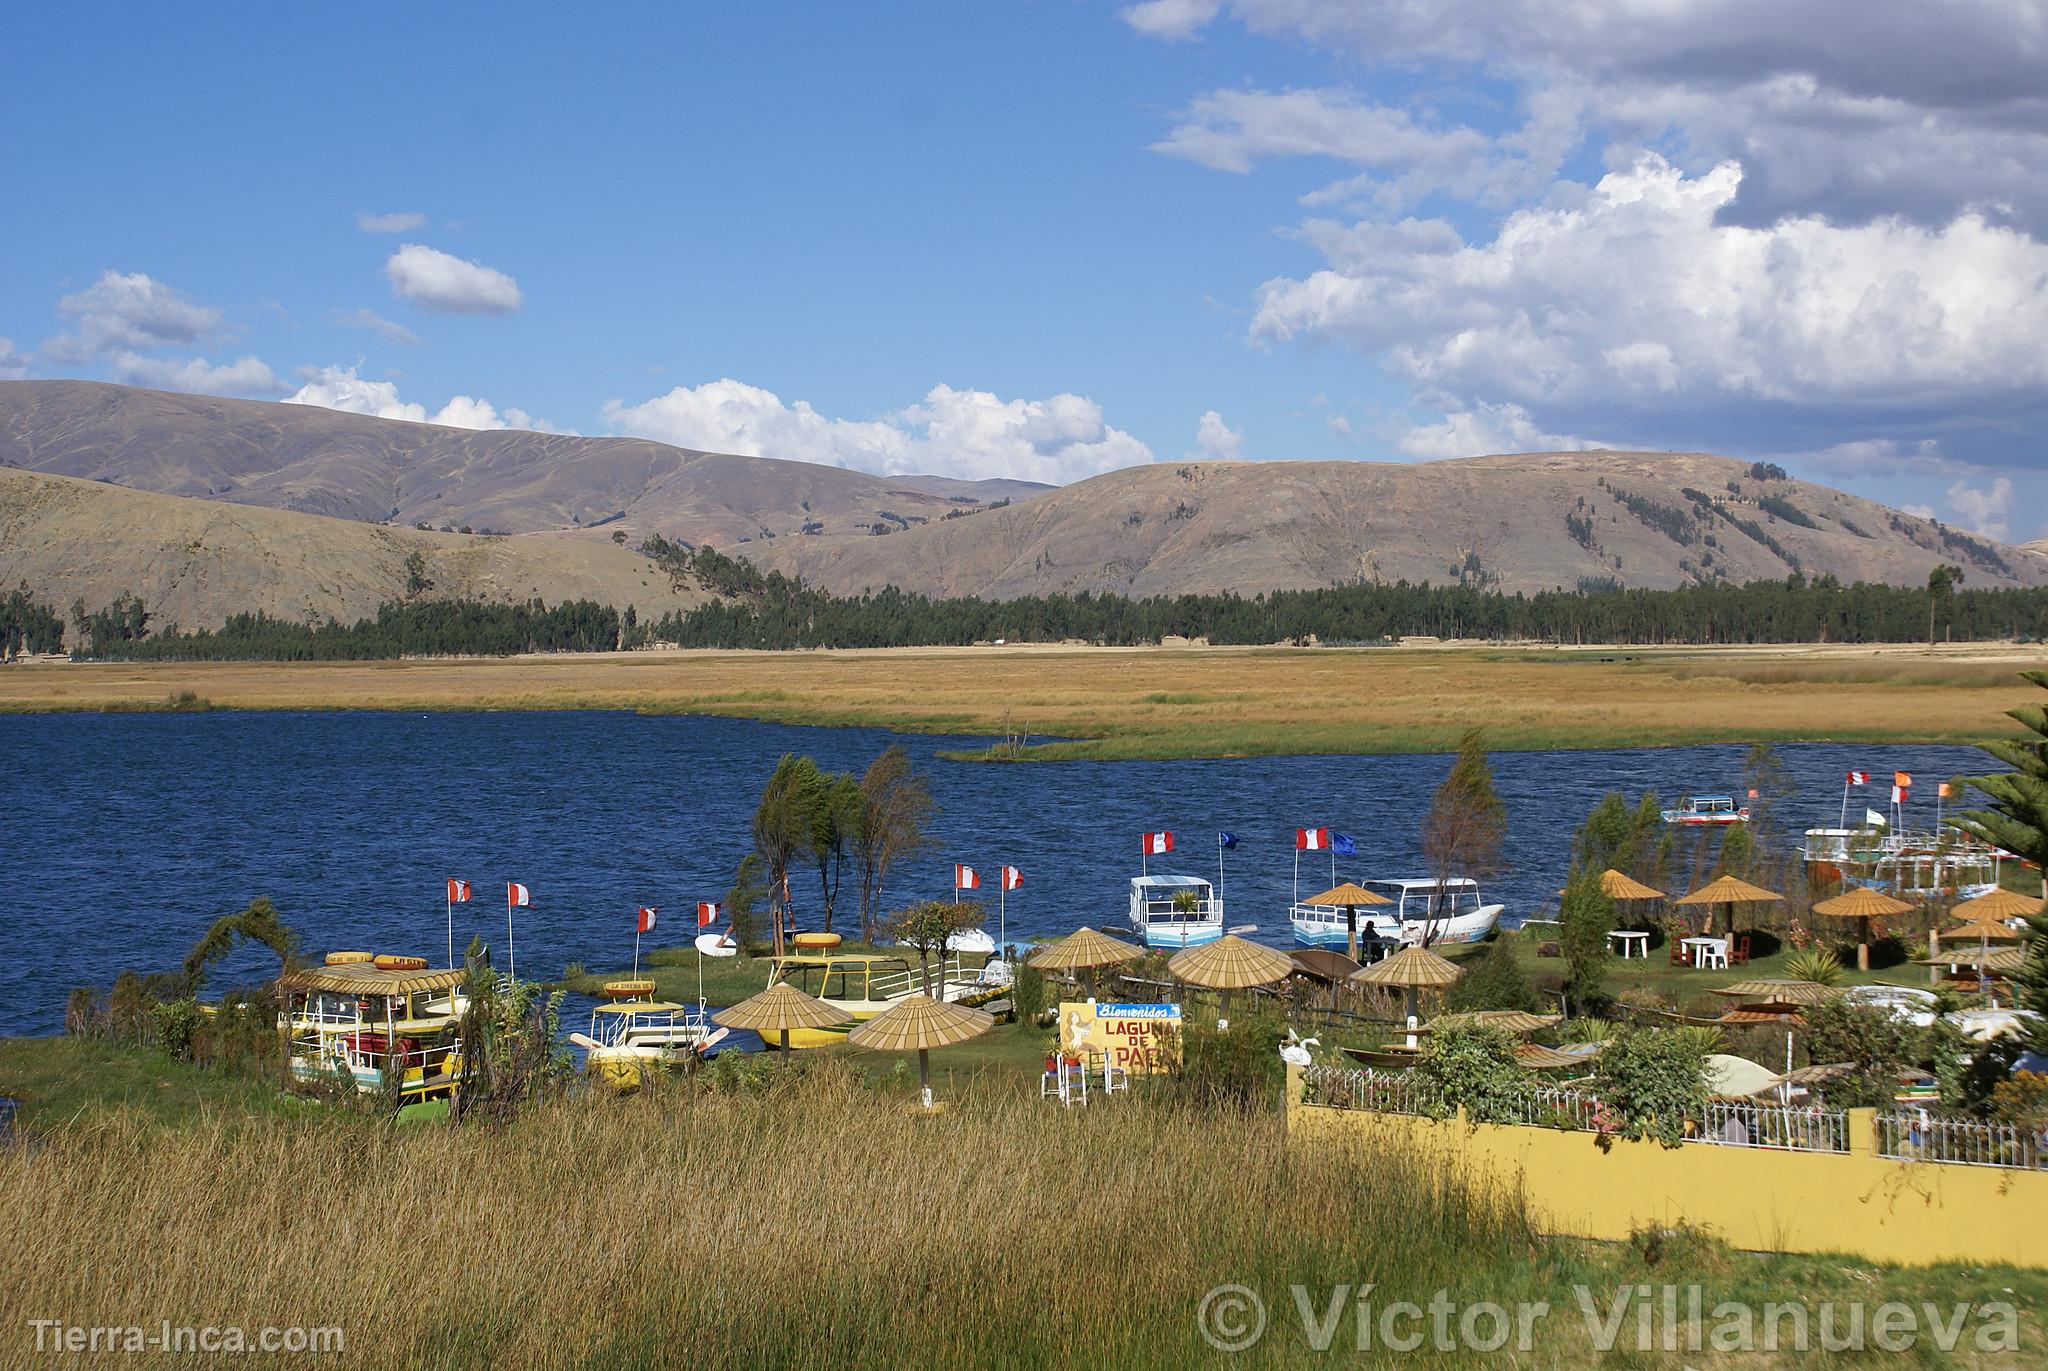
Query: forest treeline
{"points": [[770, 611]]}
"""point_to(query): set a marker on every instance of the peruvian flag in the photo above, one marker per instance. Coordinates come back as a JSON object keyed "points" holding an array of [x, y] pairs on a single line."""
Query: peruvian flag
{"points": [[1859, 778], [1902, 779], [1154, 844], [517, 895], [707, 913], [458, 891], [647, 913], [1311, 839], [1899, 794], [1012, 878], [965, 877]]}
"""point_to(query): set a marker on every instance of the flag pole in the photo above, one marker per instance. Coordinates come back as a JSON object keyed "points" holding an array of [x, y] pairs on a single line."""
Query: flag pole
{"points": [[1219, 866], [1297, 873], [1845, 803], [511, 960], [1002, 905], [451, 924], [636, 949]]}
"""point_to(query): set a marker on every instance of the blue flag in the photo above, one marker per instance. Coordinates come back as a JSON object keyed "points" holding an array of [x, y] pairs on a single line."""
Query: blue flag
{"points": [[1343, 845], [1226, 840]]}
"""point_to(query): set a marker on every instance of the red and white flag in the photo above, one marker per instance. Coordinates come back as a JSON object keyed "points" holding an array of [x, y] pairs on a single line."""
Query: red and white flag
{"points": [[1012, 878], [965, 877], [1155, 844], [1859, 778], [647, 913], [707, 913], [458, 891], [1311, 839], [517, 895], [1902, 779], [1899, 794]]}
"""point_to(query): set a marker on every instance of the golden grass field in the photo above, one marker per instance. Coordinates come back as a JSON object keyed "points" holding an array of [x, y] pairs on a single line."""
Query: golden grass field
{"points": [[1162, 702]]}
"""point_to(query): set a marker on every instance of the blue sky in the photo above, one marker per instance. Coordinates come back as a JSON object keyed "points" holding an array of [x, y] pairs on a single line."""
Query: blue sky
{"points": [[1048, 239]]}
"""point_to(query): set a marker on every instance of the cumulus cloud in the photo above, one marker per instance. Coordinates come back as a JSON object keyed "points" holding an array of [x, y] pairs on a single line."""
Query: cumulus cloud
{"points": [[341, 388], [1484, 429], [1170, 19], [389, 330], [1988, 512], [446, 284], [195, 375], [13, 363], [130, 311], [967, 433], [403, 222], [1633, 297], [1217, 440]]}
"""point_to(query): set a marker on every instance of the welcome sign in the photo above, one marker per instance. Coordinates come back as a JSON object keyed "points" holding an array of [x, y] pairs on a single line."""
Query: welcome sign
{"points": [[1136, 1038]]}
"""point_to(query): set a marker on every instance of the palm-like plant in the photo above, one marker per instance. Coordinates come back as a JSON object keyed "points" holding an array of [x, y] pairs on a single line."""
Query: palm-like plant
{"points": [[1815, 964]]}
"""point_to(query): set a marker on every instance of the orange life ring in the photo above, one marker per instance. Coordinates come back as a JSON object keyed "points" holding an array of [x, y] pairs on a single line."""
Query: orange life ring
{"points": [[386, 962], [348, 958]]}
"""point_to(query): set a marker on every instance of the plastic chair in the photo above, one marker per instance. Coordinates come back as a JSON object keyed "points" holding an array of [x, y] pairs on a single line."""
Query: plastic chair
{"points": [[1740, 953]]}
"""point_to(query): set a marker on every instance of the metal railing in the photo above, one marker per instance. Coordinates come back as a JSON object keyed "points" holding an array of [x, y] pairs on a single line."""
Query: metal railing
{"points": [[1379, 1092], [1787, 1128], [1918, 1136], [1562, 1107]]}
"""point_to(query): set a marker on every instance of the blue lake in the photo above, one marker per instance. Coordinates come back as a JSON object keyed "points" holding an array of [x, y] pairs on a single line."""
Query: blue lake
{"points": [[123, 836]]}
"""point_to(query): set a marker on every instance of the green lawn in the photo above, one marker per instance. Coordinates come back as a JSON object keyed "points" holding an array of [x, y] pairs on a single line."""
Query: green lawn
{"points": [[59, 1079]]}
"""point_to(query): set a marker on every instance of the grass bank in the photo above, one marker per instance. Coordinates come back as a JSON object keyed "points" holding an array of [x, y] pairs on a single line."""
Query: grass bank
{"points": [[1110, 703], [817, 1223]]}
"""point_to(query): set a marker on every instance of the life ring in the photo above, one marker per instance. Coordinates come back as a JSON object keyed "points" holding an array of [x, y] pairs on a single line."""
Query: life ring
{"points": [[627, 990], [384, 961], [348, 958], [816, 940]]}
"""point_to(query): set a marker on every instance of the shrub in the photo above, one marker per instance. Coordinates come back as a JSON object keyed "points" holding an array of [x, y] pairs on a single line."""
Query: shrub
{"points": [[1492, 980], [1587, 913], [1815, 964], [1234, 1068], [1651, 1082], [1473, 1066], [176, 1023], [1869, 1039], [1027, 992]]}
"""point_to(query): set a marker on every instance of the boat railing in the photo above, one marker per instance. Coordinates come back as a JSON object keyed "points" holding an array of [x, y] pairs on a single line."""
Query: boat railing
{"points": [[1207, 910], [953, 973]]}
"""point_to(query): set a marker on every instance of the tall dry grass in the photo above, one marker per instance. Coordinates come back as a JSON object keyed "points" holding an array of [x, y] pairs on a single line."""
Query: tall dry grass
{"points": [[821, 1226]]}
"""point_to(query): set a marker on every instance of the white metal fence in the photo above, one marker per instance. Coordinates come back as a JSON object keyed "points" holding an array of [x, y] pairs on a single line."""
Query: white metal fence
{"points": [[1918, 1136], [1795, 1128]]}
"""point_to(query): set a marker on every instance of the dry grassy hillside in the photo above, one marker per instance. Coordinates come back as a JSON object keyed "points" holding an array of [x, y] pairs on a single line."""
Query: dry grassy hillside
{"points": [[193, 562], [1515, 523]]}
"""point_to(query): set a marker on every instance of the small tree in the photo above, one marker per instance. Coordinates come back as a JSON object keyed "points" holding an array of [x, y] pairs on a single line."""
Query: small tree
{"points": [[1941, 593], [1466, 826], [743, 901], [1492, 980], [783, 828], [1586, 914], [927, 925], [2017, 820], [835, 827], [1473, 1067], [1651, 1082], [1868, 1039], [895, 805]]}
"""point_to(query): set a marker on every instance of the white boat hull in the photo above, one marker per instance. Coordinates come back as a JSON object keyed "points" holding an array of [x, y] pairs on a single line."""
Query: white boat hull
{"points": [[1473, 926]]}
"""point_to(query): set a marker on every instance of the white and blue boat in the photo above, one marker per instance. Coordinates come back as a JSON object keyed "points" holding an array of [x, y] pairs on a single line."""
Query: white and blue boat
{"points": [[1418, 912], [1175, 911]]}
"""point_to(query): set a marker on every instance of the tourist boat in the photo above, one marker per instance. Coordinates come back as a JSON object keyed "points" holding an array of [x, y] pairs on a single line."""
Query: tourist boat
{"points": [[864, 984], [1706, 811], [1175, 911], [1912, 866], [378, 1026], [1418, 912], [632, 1029]]}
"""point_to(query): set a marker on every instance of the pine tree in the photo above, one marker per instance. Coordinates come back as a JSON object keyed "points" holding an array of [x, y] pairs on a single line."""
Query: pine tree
{"points": [[2018, 822]]}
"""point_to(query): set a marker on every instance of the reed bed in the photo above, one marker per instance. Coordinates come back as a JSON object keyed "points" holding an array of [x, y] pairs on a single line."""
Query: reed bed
{"points": [[813, 1226]]}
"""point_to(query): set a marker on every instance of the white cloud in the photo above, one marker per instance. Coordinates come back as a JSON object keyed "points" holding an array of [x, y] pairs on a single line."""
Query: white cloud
{"points": [[13, 364], [1632, 296], [389, 330], [1484, 429], [446, 284], [1217, 440], [132, 311], [195, 375], [1918, 511], [403, 222], [1170, 19], [967, 433], [1867, 457], [341, 388], [1988, 512]]}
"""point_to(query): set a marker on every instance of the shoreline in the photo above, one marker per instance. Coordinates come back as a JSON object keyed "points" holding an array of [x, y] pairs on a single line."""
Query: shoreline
{"points": [[1156, 703]]}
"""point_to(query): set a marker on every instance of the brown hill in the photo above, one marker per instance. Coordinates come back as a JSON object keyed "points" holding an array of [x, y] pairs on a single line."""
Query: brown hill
{"points": [[193, 562], [322, 461], [1516, 523]]}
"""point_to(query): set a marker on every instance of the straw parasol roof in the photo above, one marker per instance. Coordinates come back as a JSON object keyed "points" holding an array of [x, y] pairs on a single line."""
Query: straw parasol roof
{"points": [[2005, 958], [1230, 963], [1861, 902], [1507, 1020], [778, 1010], [1997, 907], [1347, 894], [1323, 963], [1761, 1013], [918, 1023], [1082, 949], [1730, 890], [1982, 931], [1618, 885], [1976, 954], [1415, 968], [1770, 990], [358, 979], [1531, 1057]]}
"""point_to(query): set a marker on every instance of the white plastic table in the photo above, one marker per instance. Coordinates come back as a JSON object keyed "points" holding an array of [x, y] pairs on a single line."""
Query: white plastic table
{"points": [[1630, 943], [1706, 952]]}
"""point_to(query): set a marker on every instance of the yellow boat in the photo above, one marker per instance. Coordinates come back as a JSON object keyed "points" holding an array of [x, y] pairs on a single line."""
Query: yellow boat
{"points": [[866, 983], [376, 1026], [626, 1035]]}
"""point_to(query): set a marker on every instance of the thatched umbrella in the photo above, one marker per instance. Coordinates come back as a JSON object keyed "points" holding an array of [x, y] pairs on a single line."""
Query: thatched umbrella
{"points": [[1230, 963], [1775, 1000], [1985, 917], [918, 1023], [1323, 964], [1862, 904], [1619, 885], [1413, 969], [1350, 895], [778, 1009], [1518, 1021], [1084, 950], [1730, 891]]}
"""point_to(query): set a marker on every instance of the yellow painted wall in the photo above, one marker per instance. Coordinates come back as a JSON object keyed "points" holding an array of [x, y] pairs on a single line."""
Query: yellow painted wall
{"points": [[1859, 1203]]}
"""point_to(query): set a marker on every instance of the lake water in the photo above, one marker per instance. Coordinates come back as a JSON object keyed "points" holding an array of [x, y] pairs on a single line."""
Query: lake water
{"points": [[123, 836]]}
